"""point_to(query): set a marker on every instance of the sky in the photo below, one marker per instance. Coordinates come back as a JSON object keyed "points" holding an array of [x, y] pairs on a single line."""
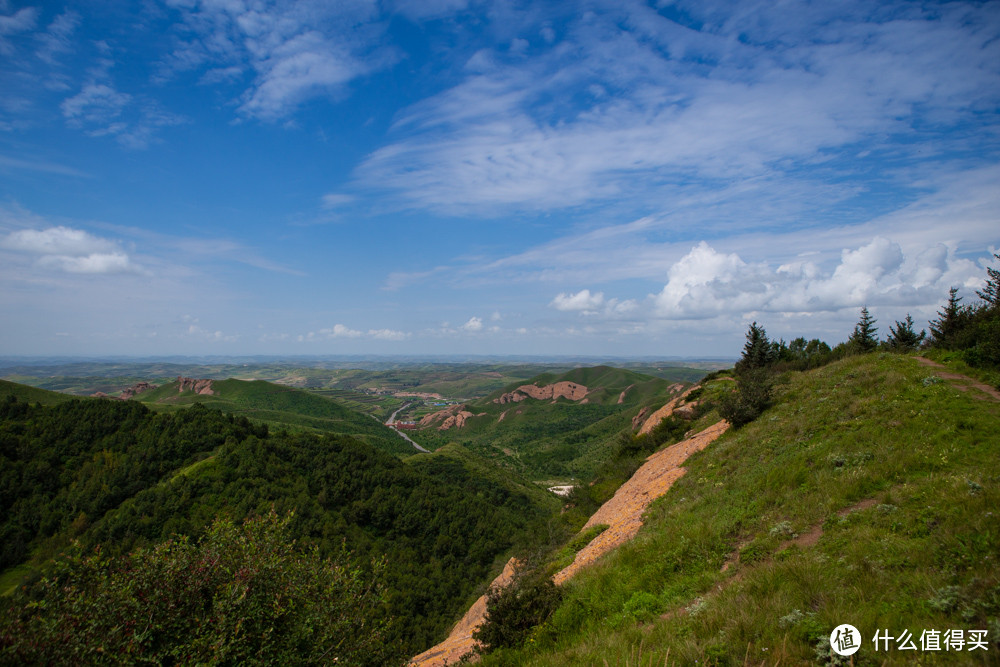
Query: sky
{"points": [[609, 178]]}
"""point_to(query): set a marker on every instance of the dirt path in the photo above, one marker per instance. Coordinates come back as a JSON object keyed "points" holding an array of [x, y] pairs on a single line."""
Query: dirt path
{"points": [[959, 381], [623, 514]]}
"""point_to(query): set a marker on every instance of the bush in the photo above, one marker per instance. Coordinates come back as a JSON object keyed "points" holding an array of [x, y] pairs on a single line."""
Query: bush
{"points": [[513, 611], [752, 397]]}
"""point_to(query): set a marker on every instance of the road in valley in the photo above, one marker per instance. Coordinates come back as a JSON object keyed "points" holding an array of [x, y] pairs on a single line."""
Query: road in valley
{"points": [[392, 420]]}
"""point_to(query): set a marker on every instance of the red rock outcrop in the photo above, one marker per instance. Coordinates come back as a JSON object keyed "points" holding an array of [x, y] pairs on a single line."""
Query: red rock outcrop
{"points": [[569, 390], [137, 388], [203, 387]]}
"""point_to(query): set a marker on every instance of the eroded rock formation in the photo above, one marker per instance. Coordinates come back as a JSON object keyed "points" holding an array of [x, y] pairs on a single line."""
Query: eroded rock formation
{"points": [[203, 387], [569, 390]]}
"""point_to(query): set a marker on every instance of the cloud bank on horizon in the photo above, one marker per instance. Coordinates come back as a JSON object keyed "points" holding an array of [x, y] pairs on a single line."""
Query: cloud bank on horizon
{"points": [[589, 177]]}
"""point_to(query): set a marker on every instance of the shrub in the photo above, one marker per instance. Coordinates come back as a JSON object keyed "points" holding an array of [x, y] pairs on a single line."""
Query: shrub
{"points": [[752, 397], [513, 611]]}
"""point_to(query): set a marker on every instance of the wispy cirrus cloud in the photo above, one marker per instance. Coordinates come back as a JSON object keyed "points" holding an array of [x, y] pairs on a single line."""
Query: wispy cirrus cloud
{"points": [[293, 51], [608, 113]]}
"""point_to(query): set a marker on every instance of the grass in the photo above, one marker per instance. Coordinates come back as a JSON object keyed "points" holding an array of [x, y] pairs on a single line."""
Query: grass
{"points": [[33, 394], [922, 557]]}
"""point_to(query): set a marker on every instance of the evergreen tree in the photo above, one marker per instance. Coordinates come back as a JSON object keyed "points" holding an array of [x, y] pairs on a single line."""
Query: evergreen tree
{"points": [[902, 338], [991, 291], [865, 336], [949, 322], [758, 351]]}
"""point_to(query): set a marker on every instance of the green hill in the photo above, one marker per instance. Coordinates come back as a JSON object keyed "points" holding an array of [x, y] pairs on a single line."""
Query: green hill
{"points": [[32, 394], [867, 495], [556, 440], [116, 474], [279, 406]]}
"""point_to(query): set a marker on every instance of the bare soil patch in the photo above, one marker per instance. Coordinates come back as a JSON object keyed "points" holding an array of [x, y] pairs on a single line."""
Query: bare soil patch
{"points": [[961, 382]]}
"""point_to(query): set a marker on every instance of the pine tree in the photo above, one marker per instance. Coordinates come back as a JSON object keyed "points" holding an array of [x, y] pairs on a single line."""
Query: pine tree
{"points": [[991, 291], [944, 329], [758, 352], [865, 336], [902, 338]]}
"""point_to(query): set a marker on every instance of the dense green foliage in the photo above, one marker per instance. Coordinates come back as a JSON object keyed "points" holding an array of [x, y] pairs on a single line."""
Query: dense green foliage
{"points": [[513, 611], [281, 407], [903, 338], [971, 331], [240, 595], [754, 373], [116, 474], [864, 338], [64, 466]]}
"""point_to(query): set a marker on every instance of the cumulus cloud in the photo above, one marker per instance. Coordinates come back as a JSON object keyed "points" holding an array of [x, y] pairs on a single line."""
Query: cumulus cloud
{"points": [[706, 283], [582, 300], [593, 304], [341, 331], [474, 324], [70, 251]]}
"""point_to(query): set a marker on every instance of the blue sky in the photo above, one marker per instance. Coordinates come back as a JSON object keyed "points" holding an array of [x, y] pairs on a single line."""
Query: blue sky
{"points": [[450, 176]]}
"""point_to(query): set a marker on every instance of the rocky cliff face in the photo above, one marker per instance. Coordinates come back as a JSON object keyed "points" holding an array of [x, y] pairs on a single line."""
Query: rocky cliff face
{"points": [[137, 388], [203, 387], [569, 390]]}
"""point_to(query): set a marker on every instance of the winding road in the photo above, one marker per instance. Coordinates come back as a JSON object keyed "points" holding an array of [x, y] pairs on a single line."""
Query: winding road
{"points": [[392, 420]]}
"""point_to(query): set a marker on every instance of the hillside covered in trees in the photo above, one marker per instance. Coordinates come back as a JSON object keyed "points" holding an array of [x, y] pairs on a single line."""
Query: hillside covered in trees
{"points": [[115, 474]]}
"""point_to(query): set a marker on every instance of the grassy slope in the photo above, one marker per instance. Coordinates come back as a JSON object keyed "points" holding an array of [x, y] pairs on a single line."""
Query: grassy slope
{"points": [[280, 406], [921, 556], [33, 394]]}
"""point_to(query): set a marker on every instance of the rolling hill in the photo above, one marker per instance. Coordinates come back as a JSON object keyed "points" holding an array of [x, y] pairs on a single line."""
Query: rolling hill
{"points": [[277, 405]]}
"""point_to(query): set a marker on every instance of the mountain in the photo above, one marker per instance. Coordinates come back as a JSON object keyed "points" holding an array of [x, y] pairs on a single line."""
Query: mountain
{"points": [[277, 405]]}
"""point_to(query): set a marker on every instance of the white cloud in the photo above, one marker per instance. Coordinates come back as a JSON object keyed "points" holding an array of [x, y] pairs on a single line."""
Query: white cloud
{"points": [[297, 50], [56, 241], [115, 262], [341, 331], [474, 324], [95, 103], [730, 102], [388, 334], [705, 283], [582, 300], [70, 250]]}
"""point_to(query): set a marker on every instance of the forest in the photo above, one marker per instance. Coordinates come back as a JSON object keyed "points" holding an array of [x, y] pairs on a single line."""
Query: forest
{"points": [[116, 477]]}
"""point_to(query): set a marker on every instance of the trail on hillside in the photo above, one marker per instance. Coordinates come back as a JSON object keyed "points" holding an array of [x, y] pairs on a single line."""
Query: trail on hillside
{"points": [[623, 515], [959, 381]]}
